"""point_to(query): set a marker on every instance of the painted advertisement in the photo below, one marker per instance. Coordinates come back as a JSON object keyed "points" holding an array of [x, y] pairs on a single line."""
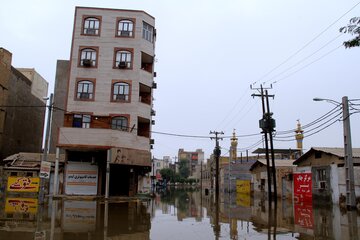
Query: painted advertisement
{"points": [[302, 187], [130, 157], [21, 205], [81, 179], [243, 186], [23, 184]]}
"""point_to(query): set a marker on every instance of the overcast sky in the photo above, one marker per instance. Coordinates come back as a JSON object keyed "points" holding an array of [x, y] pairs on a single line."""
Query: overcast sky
{"points": [[208, 53]]}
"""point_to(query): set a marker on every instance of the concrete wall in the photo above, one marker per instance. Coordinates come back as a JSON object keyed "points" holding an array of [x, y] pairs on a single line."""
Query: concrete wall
{"points": [[61, 84], [39, 86], [22, 126]]}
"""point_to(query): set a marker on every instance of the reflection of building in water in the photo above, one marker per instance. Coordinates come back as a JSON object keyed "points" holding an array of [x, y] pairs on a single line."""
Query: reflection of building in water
{"points": [[122, 220], [181, 203]]}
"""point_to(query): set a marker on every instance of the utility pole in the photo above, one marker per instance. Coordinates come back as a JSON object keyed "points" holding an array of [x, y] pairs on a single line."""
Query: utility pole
{"points": [[267, 124], [271, 129], [217, 153], [349, 166]]}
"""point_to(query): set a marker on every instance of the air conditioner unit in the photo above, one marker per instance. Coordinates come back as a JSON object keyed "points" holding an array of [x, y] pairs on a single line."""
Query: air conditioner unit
{"points": [[120, 97], [84, 95], [90, 31], [86, 62], [154, 85], [153, 113], [152, 122], [152, 141], [122, 65], [125, 33]]}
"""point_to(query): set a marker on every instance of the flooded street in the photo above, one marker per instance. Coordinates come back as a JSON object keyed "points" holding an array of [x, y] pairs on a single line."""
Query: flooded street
{"points": [[177, 214]]}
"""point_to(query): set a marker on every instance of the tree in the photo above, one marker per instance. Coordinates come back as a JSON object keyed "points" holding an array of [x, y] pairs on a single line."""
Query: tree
{"points": [[168, 174], [354, 29], [184, 170]]}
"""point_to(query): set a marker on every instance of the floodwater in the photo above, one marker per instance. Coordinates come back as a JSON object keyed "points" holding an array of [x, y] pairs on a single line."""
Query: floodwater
{"points": [[177, 214]]}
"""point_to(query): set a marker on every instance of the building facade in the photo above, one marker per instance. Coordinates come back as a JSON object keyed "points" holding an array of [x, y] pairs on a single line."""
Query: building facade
{"points": [[192, 158], [325, 167], [22, 108], [109, 101]]}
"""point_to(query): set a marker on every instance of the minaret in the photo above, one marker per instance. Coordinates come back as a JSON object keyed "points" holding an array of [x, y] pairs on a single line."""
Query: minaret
{"points": [[233, 147], [299, 136]]}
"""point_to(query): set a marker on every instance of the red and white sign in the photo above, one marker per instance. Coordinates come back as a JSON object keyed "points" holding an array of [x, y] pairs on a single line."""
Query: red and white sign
{"points": [[302, 187]]}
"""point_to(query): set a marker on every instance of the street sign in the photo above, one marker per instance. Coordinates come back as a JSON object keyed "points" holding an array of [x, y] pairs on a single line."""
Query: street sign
{"points": [[45, 169]]}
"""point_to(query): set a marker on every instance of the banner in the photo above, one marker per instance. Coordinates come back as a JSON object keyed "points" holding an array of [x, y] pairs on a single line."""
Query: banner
{"points": [[23, 184], [21, 205]]}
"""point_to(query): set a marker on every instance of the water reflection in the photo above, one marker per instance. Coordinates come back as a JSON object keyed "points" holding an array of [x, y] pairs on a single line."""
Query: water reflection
{"points": [[176, 214]]}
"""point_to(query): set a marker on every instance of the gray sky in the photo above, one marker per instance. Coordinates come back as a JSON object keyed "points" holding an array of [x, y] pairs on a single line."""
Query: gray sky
{"points": [[208, 53]]}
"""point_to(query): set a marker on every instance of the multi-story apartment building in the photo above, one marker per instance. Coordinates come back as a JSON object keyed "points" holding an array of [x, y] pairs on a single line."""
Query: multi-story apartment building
{"points": [[22, 108], [193, 159], [109, 101]]}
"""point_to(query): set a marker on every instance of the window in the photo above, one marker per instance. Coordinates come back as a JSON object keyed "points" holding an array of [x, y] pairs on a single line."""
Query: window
{"points": [[125, 28], [322, 178], [123, 59], [81, 121], [148, 32], [91, 26], [85, 90], [121, 91], [120, 123], [88, 57]]}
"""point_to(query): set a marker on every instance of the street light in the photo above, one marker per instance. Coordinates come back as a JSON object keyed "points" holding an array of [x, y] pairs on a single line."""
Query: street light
{"points": [[46, 148], [349, 166]]}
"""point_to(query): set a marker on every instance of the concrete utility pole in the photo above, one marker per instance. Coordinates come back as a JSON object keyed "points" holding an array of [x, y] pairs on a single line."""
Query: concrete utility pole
{"points": [[217, 153], [349, 166]]}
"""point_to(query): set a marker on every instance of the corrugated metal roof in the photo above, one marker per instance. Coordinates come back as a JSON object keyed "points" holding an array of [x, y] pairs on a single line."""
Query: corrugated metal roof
{"points": [[33, 157]]}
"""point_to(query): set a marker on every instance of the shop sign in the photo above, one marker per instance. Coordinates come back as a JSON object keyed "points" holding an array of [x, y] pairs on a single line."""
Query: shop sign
{"points": [[21, 205], [81, 178], [23, 184], [302, 187]]}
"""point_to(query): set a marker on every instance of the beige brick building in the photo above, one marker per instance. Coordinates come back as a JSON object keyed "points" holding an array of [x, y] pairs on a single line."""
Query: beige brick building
{"points": [[109, 101]]}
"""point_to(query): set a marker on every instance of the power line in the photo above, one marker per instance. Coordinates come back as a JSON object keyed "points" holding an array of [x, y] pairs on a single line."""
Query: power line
{"points": [[289, 75], [307, 44], [302, 60]]}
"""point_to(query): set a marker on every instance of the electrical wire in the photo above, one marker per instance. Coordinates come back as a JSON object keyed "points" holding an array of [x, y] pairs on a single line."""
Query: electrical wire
{"points": [[307, 44], [321, 118], [302, 60]]}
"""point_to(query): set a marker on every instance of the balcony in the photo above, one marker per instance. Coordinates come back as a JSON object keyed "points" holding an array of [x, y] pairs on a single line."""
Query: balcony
{"points": [[102, 138]]}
